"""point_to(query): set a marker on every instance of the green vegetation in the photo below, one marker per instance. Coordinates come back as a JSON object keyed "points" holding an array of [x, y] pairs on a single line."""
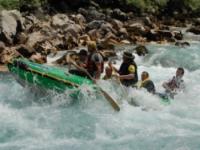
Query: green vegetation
{"points": [[149, 5], [193, 4], [9, 4], [16, 4], [142, 5], [34, 3]]}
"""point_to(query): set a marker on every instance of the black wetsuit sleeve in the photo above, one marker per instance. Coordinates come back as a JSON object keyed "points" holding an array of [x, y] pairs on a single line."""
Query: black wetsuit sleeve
{"points": [[150, 87]]}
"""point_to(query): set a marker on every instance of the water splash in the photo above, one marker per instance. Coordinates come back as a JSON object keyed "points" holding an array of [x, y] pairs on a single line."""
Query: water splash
{"points": [[56, 121]]}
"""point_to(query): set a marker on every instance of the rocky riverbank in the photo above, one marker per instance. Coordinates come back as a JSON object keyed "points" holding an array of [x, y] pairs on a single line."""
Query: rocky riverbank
{"points": [[36, 35]]}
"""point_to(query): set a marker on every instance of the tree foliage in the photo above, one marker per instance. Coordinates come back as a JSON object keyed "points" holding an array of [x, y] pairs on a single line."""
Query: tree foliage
{"points": [[141, 5], [9, 4]]}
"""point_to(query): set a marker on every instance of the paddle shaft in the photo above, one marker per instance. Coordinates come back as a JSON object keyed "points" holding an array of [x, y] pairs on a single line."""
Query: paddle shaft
{"points": [[106, 95], [50, 76], [53, 77]]}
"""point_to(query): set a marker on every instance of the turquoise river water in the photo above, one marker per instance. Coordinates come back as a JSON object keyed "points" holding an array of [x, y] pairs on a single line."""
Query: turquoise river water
{"points": [[55, 122]]}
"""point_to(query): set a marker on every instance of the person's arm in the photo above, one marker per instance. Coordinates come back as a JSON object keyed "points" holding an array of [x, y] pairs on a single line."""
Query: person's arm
{"points": [[131, 70], [127, 77], [113, 67], [81, 64], [98, 72], [98, 60], [150, 87], [166, 86], [78, 66]]}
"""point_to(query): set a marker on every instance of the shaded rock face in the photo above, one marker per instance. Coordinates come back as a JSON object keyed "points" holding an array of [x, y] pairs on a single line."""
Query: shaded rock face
{"points": [[118, 14], [6, 55], [93, 14], [117, 25], [182, 44], [136, 28], [59, 20], [176, 7], [141, 50], [163, 35], [108, 2], [194, 29], [64, 5], [5, 38], [2, 47], [28, 7], [93, 35], [197, 21], [35, 37], [107, 54], [107, 28], [96, 24], [5, 58], [20, 38], [74, 29], [25, 51], [43, 47], [79, 19], [178, 35], [70, 41], [38, 58], [10, 23]]}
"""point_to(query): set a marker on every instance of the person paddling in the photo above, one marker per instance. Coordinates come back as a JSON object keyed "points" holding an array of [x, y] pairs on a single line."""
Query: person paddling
{"points": [[83, 58], [146, 83], [95, 64], [81, 62], [176, 84], [108, 73], [128, 70]]}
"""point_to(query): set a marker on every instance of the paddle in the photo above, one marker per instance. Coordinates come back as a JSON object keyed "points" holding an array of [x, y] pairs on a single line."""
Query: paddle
{"points": [[25, 67], [106, 95], [115, 75]]}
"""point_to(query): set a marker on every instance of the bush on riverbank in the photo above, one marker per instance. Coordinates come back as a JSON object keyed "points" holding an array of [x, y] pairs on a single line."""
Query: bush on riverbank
{"points": [[17, 4], [148, 5], [9, 4], [168, 7]]}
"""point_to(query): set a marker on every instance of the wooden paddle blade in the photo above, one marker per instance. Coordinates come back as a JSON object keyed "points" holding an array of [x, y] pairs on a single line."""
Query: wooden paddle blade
{"points": [[106, 95], [111, 100]]}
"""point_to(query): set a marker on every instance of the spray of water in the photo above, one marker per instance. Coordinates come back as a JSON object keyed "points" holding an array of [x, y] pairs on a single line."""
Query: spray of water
{"points": [[57, 121]]}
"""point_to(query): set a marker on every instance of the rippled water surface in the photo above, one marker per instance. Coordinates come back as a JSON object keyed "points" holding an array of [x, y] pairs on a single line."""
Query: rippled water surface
{"points": [[34, 121]]}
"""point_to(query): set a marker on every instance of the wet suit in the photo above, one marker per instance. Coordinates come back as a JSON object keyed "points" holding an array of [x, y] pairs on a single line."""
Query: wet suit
{"points": [[129, 68], [148, 85]]}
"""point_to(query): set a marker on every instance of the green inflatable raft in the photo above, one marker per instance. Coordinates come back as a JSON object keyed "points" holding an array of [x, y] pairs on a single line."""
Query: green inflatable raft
{"points": [[44, 76], [53, 78]]}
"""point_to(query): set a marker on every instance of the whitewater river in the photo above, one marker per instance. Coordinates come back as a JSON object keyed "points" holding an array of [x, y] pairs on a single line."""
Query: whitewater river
{"points": [[56, 122]]}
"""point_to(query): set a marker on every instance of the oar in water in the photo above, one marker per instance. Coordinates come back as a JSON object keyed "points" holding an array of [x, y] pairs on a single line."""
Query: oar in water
{"points": [[117, 79], [106, 95]]}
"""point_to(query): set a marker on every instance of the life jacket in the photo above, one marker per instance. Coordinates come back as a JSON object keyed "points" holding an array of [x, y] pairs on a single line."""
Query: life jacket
{"points": [[82, 63], [124, 71], [91, 67], [147, 84], [174, 83]]}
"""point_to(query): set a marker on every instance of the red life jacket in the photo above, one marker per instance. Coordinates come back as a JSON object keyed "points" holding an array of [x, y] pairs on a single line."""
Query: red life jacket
{"points": [[91, 66]]}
